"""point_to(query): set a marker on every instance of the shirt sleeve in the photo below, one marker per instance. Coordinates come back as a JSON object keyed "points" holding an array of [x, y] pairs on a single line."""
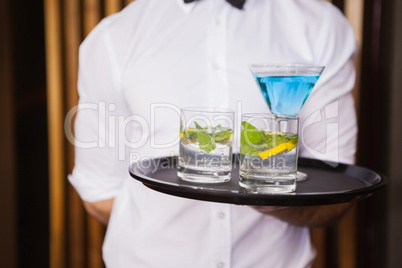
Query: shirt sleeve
{"points": [[328, 125], [100, 167]]}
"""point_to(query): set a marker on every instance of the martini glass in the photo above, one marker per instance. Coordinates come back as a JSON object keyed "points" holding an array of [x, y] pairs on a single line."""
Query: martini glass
{"points": [[286, 88]]}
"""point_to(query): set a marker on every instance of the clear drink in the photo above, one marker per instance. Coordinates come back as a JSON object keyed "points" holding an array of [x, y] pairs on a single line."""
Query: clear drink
{"points": [[205, 146], [268, 153]]}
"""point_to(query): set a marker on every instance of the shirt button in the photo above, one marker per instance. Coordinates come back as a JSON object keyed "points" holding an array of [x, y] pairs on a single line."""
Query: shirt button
{"points": [[220, 265], [217, 22], [221, 215]]}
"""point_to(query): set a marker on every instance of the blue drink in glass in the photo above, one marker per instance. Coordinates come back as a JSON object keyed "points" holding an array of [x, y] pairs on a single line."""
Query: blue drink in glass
{"points": [[285, 95], [286, 87]]}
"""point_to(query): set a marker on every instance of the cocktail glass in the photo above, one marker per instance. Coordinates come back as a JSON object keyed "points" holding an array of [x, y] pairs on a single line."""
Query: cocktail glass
{"points": [[286, 88], [206, 136], [268, 153]]}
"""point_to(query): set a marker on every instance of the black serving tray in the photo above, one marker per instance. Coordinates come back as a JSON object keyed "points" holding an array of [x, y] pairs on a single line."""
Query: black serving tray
{"points": [[326, 184]]}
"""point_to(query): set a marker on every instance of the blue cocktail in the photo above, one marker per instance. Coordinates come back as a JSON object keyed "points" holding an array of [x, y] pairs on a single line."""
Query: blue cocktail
{"points": [[286, 95], [286, 87]]}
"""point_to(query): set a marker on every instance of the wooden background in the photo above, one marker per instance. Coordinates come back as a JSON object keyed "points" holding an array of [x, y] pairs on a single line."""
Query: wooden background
{"points": [[75, 238]]}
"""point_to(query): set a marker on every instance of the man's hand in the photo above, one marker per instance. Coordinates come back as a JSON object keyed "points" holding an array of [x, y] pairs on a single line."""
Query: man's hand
{"points": [[309, 216], [100, 210]]}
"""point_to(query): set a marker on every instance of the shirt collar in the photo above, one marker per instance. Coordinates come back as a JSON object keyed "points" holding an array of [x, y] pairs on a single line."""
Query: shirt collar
{"points": [[186, 7]]}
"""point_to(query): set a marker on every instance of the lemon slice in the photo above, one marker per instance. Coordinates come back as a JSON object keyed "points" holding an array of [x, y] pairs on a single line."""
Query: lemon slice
{"points": [[275, 133], [278, 149], [290, 145]]}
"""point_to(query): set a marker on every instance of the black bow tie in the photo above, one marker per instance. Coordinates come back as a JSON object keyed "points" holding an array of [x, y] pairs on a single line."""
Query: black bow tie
{"points": [[236, 3]]}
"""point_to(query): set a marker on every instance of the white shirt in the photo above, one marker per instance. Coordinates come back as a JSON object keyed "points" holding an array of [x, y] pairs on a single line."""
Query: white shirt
{"points": [[138, 67]]}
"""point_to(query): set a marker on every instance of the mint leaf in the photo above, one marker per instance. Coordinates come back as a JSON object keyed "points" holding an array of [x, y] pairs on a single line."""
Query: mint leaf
{"points": [[247, 149], [223, 136], [190, 134], [198, 126], [249, 139], [294, 138], [207, 137], [250, 134], [274, 140], [254, 141], [205, 140]]}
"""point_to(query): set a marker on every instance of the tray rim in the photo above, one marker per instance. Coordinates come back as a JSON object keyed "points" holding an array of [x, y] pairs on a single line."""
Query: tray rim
{"points": [[284, 199]]}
